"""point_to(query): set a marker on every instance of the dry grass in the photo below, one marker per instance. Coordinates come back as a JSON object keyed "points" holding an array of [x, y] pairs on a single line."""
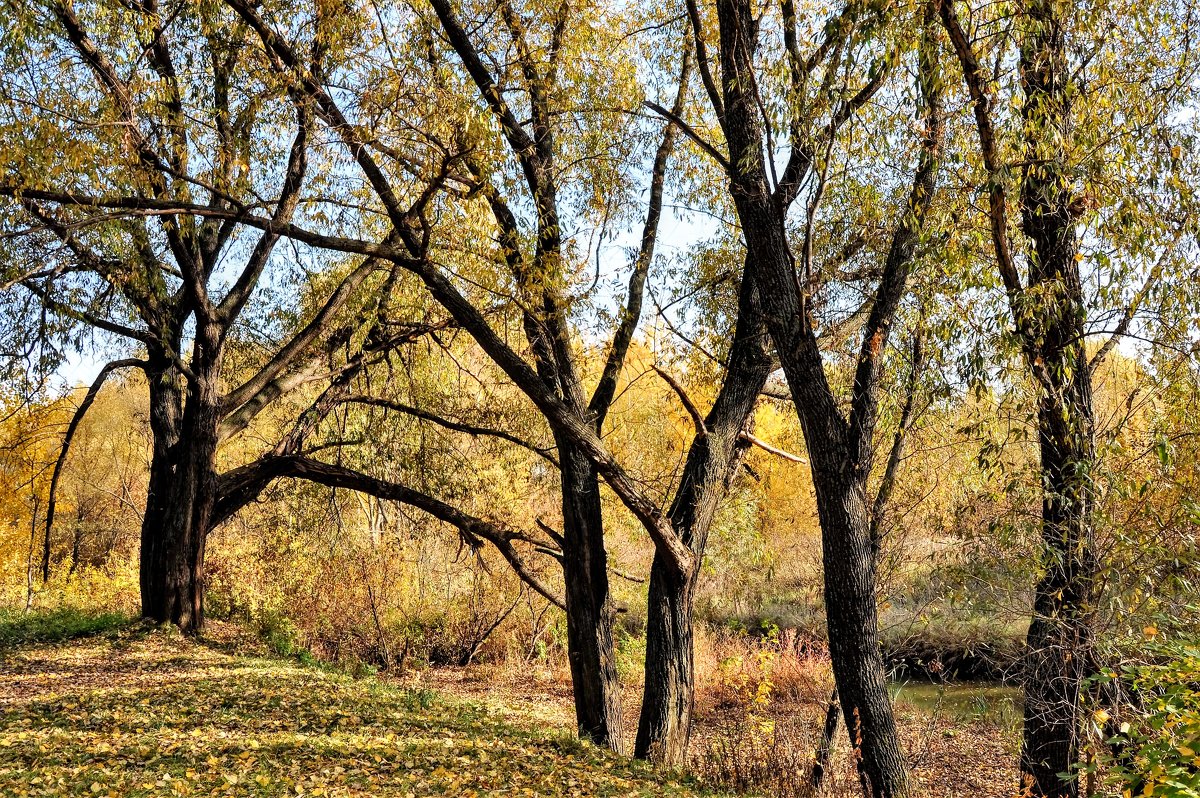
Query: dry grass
{"points": [[733, 668]]}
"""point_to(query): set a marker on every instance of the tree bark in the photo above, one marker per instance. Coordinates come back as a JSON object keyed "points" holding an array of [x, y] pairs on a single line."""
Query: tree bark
{"points": [[839, 474], [1058, 644], [1059, 640], [713, 459], [840, 447], [664, 726], [853, 623], [590, 610], [182, 493]]}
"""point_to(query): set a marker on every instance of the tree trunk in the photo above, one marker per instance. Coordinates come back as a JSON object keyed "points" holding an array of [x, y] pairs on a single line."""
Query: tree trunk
{"points": [[853, 628], [1054, 328], [172, 569], [1058, 644], [715, 455], [839, 456], [590, 610], [666, 718], [181, 497]]}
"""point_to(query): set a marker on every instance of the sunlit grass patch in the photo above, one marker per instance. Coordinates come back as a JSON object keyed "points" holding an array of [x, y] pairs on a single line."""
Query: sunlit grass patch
{"points": [[149, 713], [19, 628]]}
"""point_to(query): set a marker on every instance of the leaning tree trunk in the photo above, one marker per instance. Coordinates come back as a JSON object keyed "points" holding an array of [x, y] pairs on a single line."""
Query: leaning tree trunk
{"points": [[853, 629], [590, 609], [715, 455], [839, 473]]}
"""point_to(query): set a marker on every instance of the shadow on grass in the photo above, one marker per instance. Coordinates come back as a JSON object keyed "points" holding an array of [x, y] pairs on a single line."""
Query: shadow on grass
{"points": [[156, 714]]}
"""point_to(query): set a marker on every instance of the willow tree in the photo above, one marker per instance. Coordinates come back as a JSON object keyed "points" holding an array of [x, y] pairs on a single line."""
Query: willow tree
{"points": [[832, 70], [148, 172], [508, 96], [1090, 148]]}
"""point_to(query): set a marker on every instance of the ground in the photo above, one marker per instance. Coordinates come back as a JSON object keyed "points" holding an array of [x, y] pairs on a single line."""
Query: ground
{"points": [[961, 740], [136, 712]]}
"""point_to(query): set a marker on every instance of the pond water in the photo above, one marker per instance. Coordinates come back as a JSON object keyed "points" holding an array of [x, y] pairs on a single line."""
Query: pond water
{"points": [[962, 701]]}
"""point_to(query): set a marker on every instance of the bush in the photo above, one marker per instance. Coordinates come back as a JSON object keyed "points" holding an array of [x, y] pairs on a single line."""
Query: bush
{"points": [[280, 634], [1157, 751], [760, 757], [762, 693]]}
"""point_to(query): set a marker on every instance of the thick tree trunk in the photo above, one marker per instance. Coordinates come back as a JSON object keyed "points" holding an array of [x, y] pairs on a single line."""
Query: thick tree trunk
{"points": [[853, 624], [1058, 645], [713, 459], [181, 498], [590, 609], [666, 718], [172, 568], [1059, 641]]}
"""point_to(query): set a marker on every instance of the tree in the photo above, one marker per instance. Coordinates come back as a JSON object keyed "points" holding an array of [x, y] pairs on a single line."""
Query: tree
{"points": [[1069, 153], [551, 381], [840, 443], [138, 134]]}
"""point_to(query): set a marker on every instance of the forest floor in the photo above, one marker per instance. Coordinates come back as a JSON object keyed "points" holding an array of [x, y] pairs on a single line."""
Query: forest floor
{"points": [[958, 746], [135, 712]]}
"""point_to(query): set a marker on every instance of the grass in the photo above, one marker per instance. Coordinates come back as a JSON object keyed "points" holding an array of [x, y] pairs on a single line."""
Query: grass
{"points": [[144, 712], [20, 628]]}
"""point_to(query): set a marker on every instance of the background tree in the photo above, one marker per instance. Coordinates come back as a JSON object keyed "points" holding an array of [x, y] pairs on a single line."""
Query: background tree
{"points": [[139, 137], [1061, 137]]}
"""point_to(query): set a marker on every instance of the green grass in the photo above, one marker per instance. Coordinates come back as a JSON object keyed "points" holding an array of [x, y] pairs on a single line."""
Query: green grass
{"points": [[19, 628], [148, 713]]}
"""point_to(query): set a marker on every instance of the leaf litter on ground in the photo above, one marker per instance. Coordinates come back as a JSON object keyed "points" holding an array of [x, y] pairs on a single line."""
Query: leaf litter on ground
{"points": [[149, 713]]}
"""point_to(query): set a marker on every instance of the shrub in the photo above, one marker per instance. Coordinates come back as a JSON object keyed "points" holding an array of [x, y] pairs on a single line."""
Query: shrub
{"points": [[1156, 752], [760, 757]]}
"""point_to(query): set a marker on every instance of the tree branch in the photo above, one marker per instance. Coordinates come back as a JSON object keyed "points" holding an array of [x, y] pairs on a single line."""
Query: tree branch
{"points": [[88, 398]]}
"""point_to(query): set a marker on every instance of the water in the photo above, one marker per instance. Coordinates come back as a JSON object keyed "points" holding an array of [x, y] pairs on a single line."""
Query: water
{"points": [[990, 702]]}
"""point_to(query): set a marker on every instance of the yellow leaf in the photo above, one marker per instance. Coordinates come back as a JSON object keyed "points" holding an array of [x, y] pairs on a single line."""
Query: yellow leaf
{"points": [[1150, 631]]}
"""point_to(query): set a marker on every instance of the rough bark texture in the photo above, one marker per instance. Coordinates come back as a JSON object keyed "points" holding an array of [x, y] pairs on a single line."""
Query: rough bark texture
{"points": [[667, 699], [840, 447], [713, 459], [158, 541], [853, 625], [183, 487], [1049, 315], [590, 610], [1059, 639]]}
